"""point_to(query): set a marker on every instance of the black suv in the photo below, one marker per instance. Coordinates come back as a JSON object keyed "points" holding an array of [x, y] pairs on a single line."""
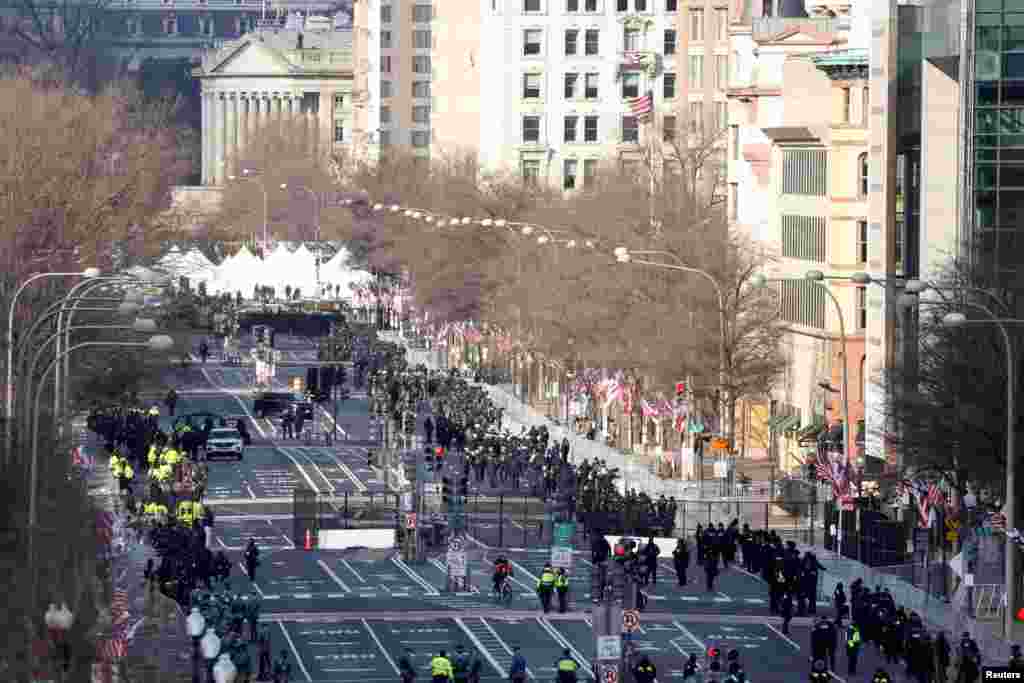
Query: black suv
{"points": [[267, 403]]}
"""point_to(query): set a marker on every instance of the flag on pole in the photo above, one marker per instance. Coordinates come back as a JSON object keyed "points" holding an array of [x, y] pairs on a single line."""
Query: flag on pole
{"points": [[643, 106]]}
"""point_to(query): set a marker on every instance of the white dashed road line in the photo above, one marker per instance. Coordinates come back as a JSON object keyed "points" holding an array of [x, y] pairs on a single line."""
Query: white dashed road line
{"points": [[295, 651], [334, 577]]}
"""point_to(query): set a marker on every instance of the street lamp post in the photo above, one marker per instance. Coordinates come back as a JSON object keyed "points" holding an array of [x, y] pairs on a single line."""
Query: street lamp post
{"points": [[9, 402]]}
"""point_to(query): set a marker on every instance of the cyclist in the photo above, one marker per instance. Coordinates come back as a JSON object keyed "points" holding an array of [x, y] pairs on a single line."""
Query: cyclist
{"points": [[502, 573]]}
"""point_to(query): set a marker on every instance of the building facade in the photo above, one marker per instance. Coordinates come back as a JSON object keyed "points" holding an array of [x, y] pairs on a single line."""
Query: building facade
{"points": [[548, 87], [299, 82]]}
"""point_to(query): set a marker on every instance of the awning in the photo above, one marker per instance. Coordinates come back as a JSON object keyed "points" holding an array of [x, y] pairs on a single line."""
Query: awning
{"points": [[790, 423]]}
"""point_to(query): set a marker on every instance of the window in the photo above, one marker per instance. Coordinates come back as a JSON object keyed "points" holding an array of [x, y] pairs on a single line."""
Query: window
{"points": [[862, 308], [385, 39], [170, 25], [696, 71], [630, 85], [668, 128], [385, 64], [421, 65], [846, 105], [721, 72], [421, 113], [572, 84], [721, 115], [640, 5], [589, 172], [671, 6], [865, 106], [696, 25], [531, 41], [572, 5], [721, 25], [531, 129], [569, 170], [385, 137], [387, 88], [421, 89], [862, 241], [668, 86], [422, 14], [803, 303], [630, 39], [897, 251], [205, 26], [531, 5], [339, 131], [591, 41], [589, 129], [862, 175], [131, 25], [803, 237], [734, 201], [670, 41], [420, 138], [531, 86], [804, 172], [735, 142], [571, 123], [531, 171], [385, 114], [630, 130], [621, 5], [572, 37], [590, 6], [696, 117], [385, 14], [421, 39], [590, 87]]}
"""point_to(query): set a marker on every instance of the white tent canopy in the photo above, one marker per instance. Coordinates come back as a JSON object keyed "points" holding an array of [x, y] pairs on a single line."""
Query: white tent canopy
{"points": [[192, 264]]}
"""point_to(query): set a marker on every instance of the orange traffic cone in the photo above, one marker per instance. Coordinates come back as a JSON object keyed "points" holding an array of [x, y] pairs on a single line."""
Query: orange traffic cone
{"points": [[309, 540]]}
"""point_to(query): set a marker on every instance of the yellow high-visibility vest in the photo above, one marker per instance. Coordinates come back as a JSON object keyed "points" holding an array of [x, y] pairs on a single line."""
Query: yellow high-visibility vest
{"points": [[152, 455]]}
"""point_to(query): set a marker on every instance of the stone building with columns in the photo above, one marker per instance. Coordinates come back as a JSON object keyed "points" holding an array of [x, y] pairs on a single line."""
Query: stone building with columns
{"points": [[299, 78]]}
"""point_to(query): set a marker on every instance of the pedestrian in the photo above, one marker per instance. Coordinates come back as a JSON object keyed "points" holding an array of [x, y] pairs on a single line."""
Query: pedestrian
{"points": [[710, 569], [645, 671], [287, 422], [562, 588], [428, 429], [545, 587], [283, 668], [566, 667], [441, 668], [691, 668], [171, 400], [839, 601], [252, 559], [476, 668], [243, 662], [1016, 663], [406, 669], [460, 665], [881, 676], [786, 609], [204, 351], [517, 669], [853, 644], [942, 657], [263, 644], [253, 606], [651, 553], [819, 672], [681, 560]]}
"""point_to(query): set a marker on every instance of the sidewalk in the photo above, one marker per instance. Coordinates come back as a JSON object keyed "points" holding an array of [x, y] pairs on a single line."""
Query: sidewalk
{"points": [[160, 641]]}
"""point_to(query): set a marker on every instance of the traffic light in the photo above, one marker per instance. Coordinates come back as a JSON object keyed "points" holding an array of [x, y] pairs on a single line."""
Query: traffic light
{"points": [[439, 456], [446, 490], [680, 389]]}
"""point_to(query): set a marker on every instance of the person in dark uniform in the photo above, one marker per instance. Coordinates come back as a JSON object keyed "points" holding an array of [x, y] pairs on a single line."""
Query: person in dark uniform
{"points": [[645, 671], [406, 669], [252, 559], [264, 649], [681, 560], [710, 569], [786, 610], [283, 668]]}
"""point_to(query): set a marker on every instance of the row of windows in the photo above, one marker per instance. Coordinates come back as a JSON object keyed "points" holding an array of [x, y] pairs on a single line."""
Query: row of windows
{"points": [[586, 86], [803, 303], [420, 64], [420, 39], [571, 168], [420, 89], [585, 128], [419, 139], [803, 237], [632, 41], [181, 24], [420, 114], [621, 6], [421, 14], [804, 172]]}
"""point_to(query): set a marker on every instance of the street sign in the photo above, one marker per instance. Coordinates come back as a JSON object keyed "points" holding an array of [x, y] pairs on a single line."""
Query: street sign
{"points": [[564, 532], [609, 647], [630, 620], [410, 520], [456, 563], [561, 557]]}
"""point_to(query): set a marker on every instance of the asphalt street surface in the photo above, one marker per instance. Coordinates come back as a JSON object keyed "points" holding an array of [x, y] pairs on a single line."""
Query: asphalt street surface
{"points": [[346, 618]]}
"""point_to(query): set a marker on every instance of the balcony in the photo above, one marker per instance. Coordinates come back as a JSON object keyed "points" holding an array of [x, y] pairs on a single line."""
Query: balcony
{"points": [[766, 28]]}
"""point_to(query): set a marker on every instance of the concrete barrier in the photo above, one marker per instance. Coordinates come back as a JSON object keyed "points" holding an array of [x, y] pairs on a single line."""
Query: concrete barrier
{"points": [[340, 539]]}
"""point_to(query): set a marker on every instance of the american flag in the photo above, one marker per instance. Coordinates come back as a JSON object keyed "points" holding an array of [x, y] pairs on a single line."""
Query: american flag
{"points": [[641, 107], [833, 472], [647, 409], [119, 605], [934, 496]]}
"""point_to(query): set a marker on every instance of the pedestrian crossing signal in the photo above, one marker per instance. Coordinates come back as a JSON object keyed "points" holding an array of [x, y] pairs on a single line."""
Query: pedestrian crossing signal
{"points": [[620, 551], [714, 653], [439, 452]]}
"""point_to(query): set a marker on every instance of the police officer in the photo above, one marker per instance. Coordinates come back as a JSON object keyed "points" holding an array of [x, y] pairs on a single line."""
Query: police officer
{"points": [[821, 640], [283, 668], [252, 559], [171, 401], [406, 669], [645, 671], [853, 645], [545, 586], [681, 560], [562, 588], [441, 668], [566, 667]]}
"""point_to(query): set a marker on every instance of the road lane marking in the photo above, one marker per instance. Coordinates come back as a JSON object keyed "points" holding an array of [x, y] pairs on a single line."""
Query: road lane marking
{"points": [[526, 572], [689, 634], [251, 494], [381, 647], [290, 542], [480, 646], [561, 640], [305, 475], [479, 543], [334, 577], [295, 651], [349, 567], [722, 597], [415, 577], [782, 635], [349, 473], [753, 576], [245, 409], [316, 467], [337, 427]]}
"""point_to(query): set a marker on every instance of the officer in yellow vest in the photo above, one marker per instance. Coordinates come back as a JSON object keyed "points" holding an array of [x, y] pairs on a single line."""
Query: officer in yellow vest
{"points": [[566, 667], [152, 455], [197, 511], [562, 588], [116, 461], [154, 412], [124, 475], [185, 512], [441, 668], [545, 585], [162, 512]]}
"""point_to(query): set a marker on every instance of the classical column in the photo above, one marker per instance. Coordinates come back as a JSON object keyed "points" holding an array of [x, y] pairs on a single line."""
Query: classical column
{"points": [[243, 122], [205, 139], [222, 123], [233, 162], [216, 135]]}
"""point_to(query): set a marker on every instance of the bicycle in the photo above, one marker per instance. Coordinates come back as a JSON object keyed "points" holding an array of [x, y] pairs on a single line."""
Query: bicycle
{"points": [[504, 594]]}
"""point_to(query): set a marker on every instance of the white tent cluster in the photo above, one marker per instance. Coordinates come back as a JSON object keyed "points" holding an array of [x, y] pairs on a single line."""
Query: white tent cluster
{"points": [[243, 271]]}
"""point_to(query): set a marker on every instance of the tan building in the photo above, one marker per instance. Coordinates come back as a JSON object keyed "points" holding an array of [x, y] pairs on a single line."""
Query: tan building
{"points": [[819, 215]]}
